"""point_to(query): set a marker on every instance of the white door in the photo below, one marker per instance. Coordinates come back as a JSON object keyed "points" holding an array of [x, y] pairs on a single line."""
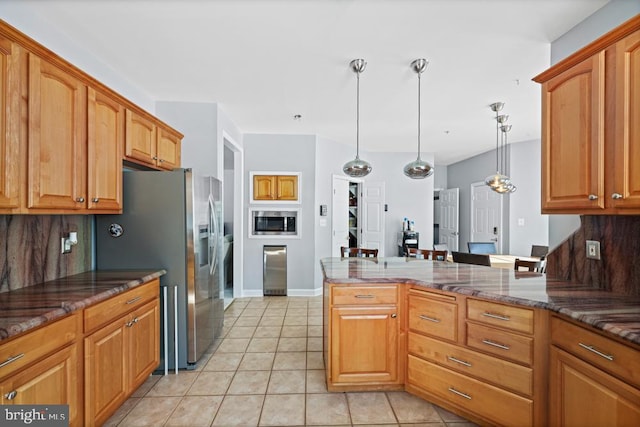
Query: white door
{"points": [[339, 215], [449, 214], [486, 215], [372, 216]]}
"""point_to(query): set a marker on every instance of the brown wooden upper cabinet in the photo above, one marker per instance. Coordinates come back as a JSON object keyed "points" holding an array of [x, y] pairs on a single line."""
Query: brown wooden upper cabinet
{"points": [[10, 148], [590, 136], [275, 187], [151, 144]]}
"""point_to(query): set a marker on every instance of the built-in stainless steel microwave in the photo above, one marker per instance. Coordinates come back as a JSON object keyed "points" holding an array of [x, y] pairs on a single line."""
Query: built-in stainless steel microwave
{"points": [[269, 222]]}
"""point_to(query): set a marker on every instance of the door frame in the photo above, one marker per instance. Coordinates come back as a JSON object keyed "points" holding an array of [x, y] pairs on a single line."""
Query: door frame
{"points": [[500, 242], [238, 212], [335, 177]]}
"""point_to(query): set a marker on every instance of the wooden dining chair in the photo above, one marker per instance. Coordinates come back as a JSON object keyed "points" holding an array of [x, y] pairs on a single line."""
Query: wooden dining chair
{"points": [[427, 254], [536, 266], [357, 252], [476, 259]]}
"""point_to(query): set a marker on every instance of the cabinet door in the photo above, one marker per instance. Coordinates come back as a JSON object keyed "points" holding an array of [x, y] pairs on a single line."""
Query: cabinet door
{"points": [[573, 138], [57, 138], [106, 141], [52, 381], [582, 395], [10, 75], [140, 139], [168, 149], [105, 385], [144, 344], [287, 187], [364, 345], [264, 187], [625, 192]]}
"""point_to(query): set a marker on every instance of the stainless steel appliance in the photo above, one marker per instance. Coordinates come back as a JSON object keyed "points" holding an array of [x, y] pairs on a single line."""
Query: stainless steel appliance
{"points": [[172, 220], [274, 270], [270, 222]]}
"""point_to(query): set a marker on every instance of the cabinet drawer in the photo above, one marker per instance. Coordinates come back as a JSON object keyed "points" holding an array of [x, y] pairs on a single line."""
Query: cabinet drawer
{"points": [[364, 295], [437, 318], [499, 372], [22, 351], [485, 400], [607, 354], [501, 343], [504, 316], [112, 308]]}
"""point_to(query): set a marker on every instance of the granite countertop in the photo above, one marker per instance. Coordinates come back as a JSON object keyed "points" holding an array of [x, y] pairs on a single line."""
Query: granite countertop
{"points": [[27, 308], [617, 314]]}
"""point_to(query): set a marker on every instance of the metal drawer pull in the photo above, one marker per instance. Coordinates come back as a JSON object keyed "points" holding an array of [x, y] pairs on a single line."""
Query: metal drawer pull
{"points": [[10, 360], [616, 196], [462, 362], [459, 393], [11, 395], [495, 344], [365, 296], [593, 350], [131, 301], [430, 319], [132, 322], [593, 197], [496, 316]]}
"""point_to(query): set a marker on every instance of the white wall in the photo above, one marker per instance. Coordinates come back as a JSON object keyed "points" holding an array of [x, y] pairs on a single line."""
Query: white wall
{"points": [[283, 153], [440, 177]]}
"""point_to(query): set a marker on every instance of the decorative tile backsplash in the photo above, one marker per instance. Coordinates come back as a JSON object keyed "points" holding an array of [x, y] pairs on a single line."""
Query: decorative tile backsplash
{"points": [[30, 248], [618, 269]]}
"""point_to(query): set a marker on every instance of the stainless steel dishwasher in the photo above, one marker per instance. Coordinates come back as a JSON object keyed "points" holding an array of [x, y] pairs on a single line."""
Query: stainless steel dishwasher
{"points": [[274, 270]]}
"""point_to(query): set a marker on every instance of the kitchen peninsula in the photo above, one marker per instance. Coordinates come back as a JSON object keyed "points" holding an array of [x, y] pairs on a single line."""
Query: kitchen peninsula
{"points": [[477, 340]]}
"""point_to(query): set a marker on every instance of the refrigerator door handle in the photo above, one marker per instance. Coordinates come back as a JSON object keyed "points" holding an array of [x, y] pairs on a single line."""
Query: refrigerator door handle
{"points": [[213, 237]]}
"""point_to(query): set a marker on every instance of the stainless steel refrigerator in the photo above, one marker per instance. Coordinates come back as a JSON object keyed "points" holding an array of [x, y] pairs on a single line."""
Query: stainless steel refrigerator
{"points": [[172, 220]]}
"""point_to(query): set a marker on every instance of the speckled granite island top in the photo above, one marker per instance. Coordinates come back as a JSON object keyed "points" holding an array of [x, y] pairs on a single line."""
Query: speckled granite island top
{"points": [[615, 313], [27, 308]]}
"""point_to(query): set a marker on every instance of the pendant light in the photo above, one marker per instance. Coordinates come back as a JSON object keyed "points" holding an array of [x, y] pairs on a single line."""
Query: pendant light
{"points": [[418, 169], [500, 183], [357, 167]]}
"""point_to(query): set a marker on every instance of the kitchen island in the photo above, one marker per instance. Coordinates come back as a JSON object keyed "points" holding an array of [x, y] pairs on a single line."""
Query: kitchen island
{"points": [[475, 339]]}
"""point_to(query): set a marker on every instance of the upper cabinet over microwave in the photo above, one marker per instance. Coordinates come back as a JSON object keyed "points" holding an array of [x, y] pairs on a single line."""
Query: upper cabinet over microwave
{"points": [[275, 187], [590, 131]]}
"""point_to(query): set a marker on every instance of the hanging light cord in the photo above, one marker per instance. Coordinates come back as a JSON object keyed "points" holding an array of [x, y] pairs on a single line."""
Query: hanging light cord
{"points": [[358, 115], [497, 134], [419, 114]]}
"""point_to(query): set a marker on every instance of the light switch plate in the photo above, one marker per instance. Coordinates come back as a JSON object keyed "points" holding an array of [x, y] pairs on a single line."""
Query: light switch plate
{"points": [[593, 249]]}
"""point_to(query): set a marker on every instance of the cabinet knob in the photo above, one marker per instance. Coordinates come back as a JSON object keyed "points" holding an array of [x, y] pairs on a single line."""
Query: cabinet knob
{"points": [[80, 199], [11, 395], [616, 196], [161, 160], [155, 158], [394, 315], [95, 200], [593, 197]]}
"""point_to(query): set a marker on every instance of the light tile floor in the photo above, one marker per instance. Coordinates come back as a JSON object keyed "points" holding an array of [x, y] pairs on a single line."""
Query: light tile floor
{"points": [[267, 370]]}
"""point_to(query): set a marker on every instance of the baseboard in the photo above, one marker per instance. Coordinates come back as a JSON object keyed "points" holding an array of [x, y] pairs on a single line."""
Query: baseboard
{"points": [[258, 293]]}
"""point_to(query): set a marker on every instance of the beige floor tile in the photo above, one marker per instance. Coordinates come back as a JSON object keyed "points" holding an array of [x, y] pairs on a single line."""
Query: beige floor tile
{"points": [[290, 360], [295, 320], [239, 411], [314, 331], [262, 345], [241, 332], [316, 381], [295, 311], [267, 332], [292, 344], [412, 409], [257, 362], [247, 321], [327, 409], [234, 310], [271, 321], [122, 412], [211, 383], [233, 345], [449, 417], [297, 303], [283, 410], [314, 311], [434, 424], [275, 311], [287, 382], [249, 382], [315, 320], [150, 412], [298, 331], [173, 385], [195, 411], [223, 362], [315, 360], [369, 408], [257, 304], [146, 386], [314, 344], [254, 312]]}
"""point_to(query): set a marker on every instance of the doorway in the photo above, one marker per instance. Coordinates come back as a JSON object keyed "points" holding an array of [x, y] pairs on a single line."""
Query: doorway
{"points": [[344, 216], [446, 214], [486, 215], [233, 193]]}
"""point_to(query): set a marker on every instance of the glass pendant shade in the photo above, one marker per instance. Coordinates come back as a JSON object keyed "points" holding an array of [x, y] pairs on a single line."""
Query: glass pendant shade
{"points": [[357, 168], [418, 169]]}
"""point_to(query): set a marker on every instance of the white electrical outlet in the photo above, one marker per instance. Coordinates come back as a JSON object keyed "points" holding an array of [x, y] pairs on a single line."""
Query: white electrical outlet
{"points": [[593, 249]]}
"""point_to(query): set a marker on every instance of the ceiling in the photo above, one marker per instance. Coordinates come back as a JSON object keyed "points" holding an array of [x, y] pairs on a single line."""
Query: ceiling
{"points": [[265, 61]]}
